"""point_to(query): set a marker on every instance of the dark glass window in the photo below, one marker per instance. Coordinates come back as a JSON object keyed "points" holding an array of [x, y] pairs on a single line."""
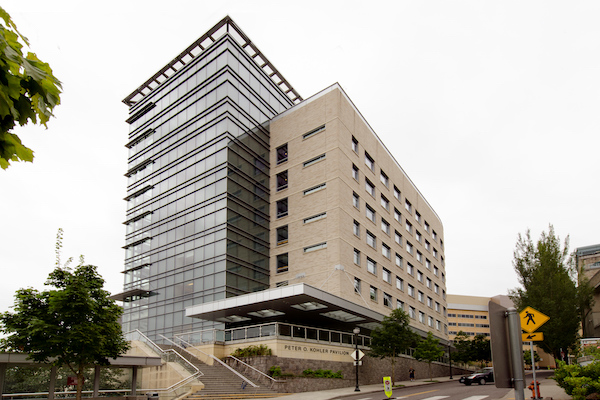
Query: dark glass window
{"points": [[282, 235], [282, 154], [282, 180], [282, 208], [282, 262]]}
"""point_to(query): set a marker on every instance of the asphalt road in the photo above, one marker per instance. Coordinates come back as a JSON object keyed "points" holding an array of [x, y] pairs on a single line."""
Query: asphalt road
{"points": [[440, 391]]}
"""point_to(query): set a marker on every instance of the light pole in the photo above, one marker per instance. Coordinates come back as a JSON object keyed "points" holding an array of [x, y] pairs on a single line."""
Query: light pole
{"points": [[356, 332], [450, 359]]}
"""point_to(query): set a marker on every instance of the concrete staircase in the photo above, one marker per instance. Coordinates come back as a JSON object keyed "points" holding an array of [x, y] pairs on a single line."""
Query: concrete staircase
{"points": [[221, 383]]}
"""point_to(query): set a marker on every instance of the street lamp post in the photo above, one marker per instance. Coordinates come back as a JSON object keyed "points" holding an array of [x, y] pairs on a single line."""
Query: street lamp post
{"points": [[450, 359], [356, 332]]}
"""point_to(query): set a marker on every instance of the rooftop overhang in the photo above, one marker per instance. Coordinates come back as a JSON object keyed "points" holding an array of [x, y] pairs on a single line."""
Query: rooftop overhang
{"points": [[123, 361], [300, 304], [123, 296]]}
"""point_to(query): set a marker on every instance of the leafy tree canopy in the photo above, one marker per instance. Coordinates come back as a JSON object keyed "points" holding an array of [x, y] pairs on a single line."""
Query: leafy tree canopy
{"points": [[28, 91], [429, 350], [476, 349], [393, 337], [74, 324], [549, 285]]}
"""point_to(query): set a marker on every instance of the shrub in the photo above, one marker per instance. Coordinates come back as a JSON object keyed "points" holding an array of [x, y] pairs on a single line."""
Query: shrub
{"points": [[275, 371], [578, 381], [322, 373], [252, 351]]}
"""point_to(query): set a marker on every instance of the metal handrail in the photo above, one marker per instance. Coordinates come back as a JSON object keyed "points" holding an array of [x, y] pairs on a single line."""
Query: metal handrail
{"points": [[257, 370]]}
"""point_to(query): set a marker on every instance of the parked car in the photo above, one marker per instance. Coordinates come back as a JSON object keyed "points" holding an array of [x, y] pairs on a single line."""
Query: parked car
{"points": [[482, 377]]}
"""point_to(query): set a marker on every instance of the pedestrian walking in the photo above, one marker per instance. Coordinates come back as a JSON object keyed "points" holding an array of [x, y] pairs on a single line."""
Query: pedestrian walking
{"points": [[411, 374]]}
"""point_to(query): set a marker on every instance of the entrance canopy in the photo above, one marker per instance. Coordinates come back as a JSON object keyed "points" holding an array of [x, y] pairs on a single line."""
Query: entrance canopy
{"points": [[300, 304]]}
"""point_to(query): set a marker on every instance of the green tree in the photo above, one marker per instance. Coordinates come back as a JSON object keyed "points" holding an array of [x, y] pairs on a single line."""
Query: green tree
{"points": [[527, 357], [74, 324], [464, 350], [392, 338], [429, 350], [549, 284], [28, 91], [481, 349]]}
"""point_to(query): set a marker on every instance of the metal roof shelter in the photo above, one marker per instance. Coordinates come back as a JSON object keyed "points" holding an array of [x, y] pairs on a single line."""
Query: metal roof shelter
{"points": [[298, 304]]}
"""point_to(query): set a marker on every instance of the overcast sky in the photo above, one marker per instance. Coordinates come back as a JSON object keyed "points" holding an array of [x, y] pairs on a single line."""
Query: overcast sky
{"points": [[491, 108]]}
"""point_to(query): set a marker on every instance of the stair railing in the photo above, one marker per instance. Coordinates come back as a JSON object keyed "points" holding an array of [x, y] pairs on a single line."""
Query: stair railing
{"points": [[187, 344], [273, 380]]}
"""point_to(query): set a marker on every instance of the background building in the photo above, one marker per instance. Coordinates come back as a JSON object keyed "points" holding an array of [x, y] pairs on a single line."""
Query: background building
{"points": [[237, 185], [469, 314], [588, 261]]}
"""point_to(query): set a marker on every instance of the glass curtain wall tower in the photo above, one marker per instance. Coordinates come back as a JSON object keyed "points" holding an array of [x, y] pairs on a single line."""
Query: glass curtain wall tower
{"points": [[198, 181]]}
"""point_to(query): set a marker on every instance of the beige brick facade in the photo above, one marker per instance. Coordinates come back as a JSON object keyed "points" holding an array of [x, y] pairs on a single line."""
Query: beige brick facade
{"points": [[332, 267]]}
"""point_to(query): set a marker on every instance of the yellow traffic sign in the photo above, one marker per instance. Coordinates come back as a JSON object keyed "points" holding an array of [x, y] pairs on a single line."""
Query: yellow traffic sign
{"points": [[533, 337], [532, 319]]}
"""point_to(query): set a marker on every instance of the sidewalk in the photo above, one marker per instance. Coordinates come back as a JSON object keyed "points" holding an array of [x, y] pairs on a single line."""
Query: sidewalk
{"points": [[549, 390]]}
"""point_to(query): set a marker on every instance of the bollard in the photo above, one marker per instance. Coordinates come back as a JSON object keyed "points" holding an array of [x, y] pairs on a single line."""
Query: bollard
{"points": [[533, 388]]}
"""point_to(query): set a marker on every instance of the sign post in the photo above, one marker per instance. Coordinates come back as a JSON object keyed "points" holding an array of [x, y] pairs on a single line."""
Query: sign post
{"points": [[531, 320]]}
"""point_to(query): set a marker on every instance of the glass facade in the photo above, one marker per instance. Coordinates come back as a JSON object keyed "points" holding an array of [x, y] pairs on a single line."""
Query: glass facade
{"points": [[197, 225]]}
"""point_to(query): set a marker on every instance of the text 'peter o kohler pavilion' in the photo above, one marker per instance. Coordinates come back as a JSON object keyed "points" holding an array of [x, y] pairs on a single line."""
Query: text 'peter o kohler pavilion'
{"points": [[254, 214]]}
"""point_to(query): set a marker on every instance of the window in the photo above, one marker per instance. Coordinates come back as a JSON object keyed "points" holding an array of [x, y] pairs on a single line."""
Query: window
{"points": [[419, 276], [399, 283], [315, 218], [419, 256], [428, 282], [371, 266], [355, 172], [356, 228], [397, 215], [373, 293], [398, 238], [281, 284], [411, 290], [396, 193], [384, 179], [315, 189], [282, 235], [282, 208], [356, 257], [436, 270], [434, 235], [386, 251], [282, 263], [408, 206], [411, 312], [370, 213], [398, 260], [430, 321], [399, 304], [354, 144], [429, 302], [438, 325], [385, 226], [408, 226], [410, 269], [387, 300], [421, 317], [409, 247], [357, 285], [315, 247], [282, 153], [313, 132], [314, 160], [417, 216], [371, 240], [369, 187], [437, 306], [426, 227], [282, 180], [369, 162], [435, 254], [418, 236], [427, 245], [385, 203], [386, 275], [441, 243], [355, 200]]}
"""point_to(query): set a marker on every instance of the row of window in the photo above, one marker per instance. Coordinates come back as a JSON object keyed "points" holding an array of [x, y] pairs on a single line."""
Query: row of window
{"points": [[469, 333], [383, 177], [469, 325], [389, 302], [471, 316]]}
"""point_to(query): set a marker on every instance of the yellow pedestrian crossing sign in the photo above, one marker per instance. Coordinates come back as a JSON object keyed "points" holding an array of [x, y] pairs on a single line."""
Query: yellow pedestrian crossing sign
{"points": [[532, 319]]}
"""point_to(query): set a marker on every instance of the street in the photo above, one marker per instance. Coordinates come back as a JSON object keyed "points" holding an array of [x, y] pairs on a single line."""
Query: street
{"points": [[441, 391]]}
